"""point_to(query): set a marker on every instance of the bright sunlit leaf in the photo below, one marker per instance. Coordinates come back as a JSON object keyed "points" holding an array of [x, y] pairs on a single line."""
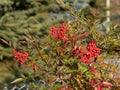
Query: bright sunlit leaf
{"points": [[101, 58], [17, 80]]}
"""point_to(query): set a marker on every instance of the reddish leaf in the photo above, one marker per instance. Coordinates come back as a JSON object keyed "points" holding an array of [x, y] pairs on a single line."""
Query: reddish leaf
{"points": [[107, 84], [83, 34], [92, 83], [65, 88], [52, 79], [92, 64], [94, 71], [99, 87], [62, 88]]}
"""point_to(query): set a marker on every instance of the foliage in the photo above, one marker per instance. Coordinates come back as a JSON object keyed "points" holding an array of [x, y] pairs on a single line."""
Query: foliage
{"points": [[71, 56], [17, 16]]}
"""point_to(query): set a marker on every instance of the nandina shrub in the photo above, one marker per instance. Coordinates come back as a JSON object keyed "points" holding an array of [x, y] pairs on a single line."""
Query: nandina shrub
{"points": [[69, 58], [68, 55]]}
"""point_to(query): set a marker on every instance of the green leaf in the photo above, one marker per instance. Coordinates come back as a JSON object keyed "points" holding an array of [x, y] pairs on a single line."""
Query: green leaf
{"points": [[71, 71], [75, 2], [82, 68]]}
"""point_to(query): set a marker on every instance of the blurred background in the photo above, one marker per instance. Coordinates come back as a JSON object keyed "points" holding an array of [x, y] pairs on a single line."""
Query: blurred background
{"points": [[17, 16]]}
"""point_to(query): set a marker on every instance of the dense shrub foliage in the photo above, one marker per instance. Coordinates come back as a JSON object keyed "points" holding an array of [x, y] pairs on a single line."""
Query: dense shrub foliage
{"points": [[72, 54]]}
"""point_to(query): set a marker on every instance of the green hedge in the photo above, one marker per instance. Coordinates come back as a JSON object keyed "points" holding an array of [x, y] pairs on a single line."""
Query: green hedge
{"points": [[17, 16]]}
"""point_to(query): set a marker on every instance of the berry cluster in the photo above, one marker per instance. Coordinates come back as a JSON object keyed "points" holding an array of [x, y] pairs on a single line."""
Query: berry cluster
{"points": [[86, 55], [60, 32], [76, 51], [21, 57], [92, 48]]}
